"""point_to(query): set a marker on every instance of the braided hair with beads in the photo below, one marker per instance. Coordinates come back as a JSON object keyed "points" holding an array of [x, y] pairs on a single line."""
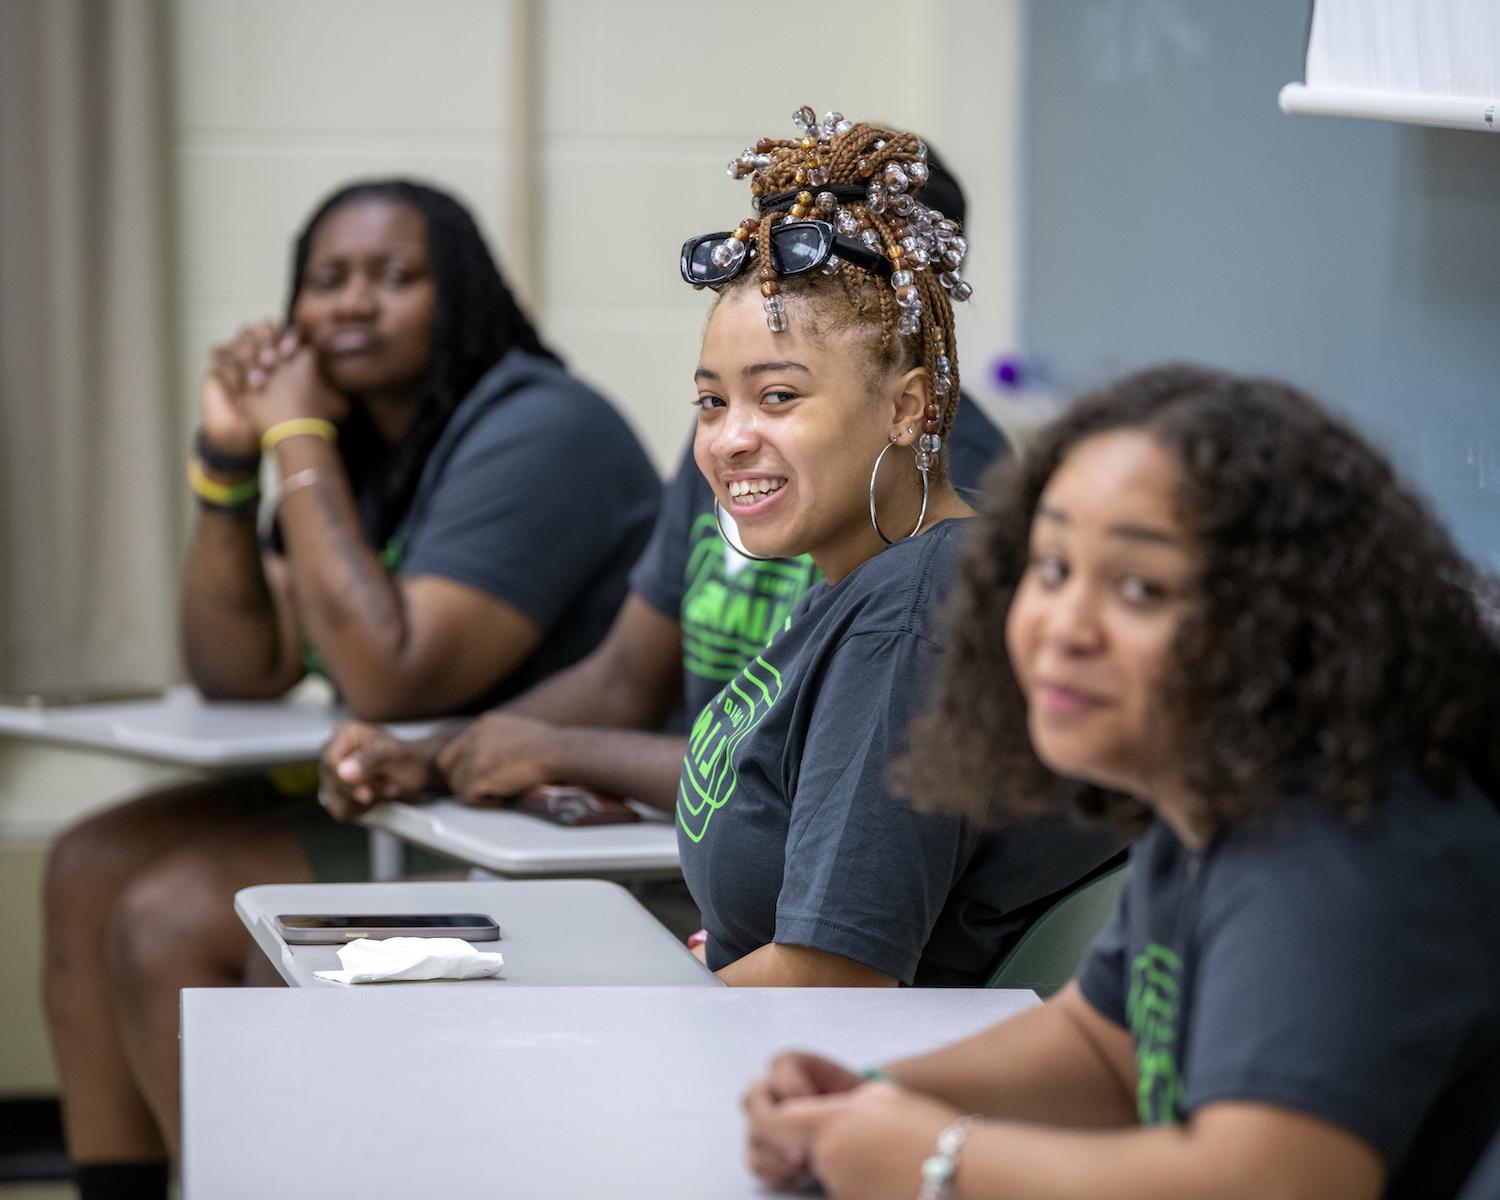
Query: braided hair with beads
{"points": [[867, 181]]}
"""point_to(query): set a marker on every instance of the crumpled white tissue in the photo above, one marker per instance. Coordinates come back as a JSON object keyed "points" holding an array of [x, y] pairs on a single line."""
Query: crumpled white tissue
{"points": [[390, 960]]}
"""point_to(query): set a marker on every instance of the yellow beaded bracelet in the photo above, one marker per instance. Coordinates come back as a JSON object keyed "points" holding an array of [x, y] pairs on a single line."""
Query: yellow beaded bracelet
{"points": [[296, 427], [225, 495]]}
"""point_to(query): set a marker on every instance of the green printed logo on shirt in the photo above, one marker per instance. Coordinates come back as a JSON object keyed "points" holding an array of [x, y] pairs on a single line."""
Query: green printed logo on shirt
{"points": [[1152, 1009], [730, 616], [709, 776]]}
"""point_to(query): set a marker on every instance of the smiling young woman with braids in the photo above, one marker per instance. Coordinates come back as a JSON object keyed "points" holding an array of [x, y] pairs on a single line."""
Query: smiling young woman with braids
{"points": [[429, 554], [826, 384]]}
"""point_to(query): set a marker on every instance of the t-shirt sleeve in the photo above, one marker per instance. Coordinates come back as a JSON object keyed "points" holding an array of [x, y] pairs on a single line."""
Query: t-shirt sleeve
{"points": [[658, 574], [1101, 977], [1339, 991], [533, 504], [865, 874]]}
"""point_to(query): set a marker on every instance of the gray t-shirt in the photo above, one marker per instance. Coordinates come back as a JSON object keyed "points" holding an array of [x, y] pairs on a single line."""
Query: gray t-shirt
{"points": [[730, 606], [787, 828], [1350, 972], [538, 494]]}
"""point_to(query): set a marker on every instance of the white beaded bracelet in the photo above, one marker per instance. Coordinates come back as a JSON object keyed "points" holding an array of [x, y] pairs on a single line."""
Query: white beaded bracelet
{"points": [[938, 1168]]}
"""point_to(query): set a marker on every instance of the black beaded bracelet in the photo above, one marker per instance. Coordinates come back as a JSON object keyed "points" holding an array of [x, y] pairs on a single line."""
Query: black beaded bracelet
{"points": [[223, 461], [247, 510]]}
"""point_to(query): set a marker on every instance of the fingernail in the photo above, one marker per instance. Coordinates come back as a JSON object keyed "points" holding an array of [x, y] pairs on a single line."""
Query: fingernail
{"points": [[348, 770]]}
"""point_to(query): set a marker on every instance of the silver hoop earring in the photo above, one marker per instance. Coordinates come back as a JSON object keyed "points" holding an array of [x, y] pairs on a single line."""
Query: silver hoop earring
{"points": [[732, 544], [874, 520]]}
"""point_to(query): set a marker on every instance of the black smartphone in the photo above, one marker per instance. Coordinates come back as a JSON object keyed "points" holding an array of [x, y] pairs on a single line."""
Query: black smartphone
{"points": [[575, 806], [322, 929]]}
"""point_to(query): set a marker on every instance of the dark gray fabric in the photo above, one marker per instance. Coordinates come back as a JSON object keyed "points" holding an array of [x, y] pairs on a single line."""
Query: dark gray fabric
{"points": [[1351, 972], [730, 606], [538, 494], [1484, 1182], [788, 830]]}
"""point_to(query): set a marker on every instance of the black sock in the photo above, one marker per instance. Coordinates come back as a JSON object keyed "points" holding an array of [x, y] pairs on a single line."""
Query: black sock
{"points": [[122, 1181]]}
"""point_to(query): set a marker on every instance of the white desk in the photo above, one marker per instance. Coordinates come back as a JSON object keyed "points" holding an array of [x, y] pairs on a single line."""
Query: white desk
{"points": [[184, 729], [553, 932], [629, 1093], [518, 845]]}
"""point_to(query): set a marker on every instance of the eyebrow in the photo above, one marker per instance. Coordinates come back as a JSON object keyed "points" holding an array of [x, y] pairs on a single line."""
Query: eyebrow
{"points": [[1123, 529], [760, 368]]}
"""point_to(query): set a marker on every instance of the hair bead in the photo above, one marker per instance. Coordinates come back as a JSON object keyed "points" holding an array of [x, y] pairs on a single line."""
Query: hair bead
{"points": [[868, 183]]}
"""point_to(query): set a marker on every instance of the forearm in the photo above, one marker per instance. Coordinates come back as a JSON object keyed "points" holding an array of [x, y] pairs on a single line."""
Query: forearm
{"points": [[1226, 1151], [230, 638], [348, 603], [1040, 1065], [800, 966], [632, 680], [596, 693], [643, 766], [1006, 1159]]}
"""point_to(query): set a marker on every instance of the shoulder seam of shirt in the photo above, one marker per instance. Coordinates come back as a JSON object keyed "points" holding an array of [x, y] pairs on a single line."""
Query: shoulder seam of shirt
{"points": [[891, 631]]}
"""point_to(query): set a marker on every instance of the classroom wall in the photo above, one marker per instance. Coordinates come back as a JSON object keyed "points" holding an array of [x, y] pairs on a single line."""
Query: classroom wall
{"points": [[1171, 211], [588, 135], [276, 102], [652, 155]]}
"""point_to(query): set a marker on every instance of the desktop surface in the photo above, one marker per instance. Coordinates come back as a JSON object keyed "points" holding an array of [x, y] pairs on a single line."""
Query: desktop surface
{"points": [[459, 1091]]}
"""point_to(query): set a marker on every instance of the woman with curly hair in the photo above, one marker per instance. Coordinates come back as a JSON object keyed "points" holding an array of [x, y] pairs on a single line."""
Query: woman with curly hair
{"points": [[1205, 611]]}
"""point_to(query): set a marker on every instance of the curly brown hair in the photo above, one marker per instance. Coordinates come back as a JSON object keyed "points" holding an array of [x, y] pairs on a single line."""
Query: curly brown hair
{"points": [[1334, 622]]}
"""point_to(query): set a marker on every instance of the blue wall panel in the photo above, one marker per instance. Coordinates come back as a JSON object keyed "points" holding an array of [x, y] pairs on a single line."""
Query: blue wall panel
{"points": [[1170, 211]]}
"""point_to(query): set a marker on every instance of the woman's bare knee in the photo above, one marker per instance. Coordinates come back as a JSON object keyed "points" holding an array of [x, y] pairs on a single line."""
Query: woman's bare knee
{"points": [[175, 923], [91, 863]]}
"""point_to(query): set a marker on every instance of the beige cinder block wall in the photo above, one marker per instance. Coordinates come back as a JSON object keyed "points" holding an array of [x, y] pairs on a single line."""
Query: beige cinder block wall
{"points": [[643, 101], [625, 110]]}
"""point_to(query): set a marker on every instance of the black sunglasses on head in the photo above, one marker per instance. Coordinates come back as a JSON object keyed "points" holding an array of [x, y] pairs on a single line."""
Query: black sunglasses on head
{"points": [[712, 259]]}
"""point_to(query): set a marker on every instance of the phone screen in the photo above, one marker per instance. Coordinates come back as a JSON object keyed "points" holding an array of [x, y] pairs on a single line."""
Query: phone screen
{"points": [[397, 921]]}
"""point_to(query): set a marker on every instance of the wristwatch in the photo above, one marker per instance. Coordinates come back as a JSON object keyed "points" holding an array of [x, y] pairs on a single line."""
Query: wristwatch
{"points": [[938, 1168]]}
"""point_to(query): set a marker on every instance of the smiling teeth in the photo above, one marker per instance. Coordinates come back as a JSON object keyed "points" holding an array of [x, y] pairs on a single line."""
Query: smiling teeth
{"points": [[741, 488]]}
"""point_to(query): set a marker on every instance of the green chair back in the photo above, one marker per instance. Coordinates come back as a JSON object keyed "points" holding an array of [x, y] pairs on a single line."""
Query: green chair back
{"points": [[1049, 952]]}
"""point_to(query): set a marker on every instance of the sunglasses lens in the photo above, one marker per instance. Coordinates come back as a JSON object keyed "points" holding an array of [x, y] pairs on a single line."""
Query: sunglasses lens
{"points": [[714, 260], [799, 247]]}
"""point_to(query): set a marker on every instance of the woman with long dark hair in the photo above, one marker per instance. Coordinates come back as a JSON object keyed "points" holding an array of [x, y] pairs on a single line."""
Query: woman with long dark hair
{"points": [[456, 518]]}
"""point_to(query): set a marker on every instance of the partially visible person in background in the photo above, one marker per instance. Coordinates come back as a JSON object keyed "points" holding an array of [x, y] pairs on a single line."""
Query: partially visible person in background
{"points": [[456, 519]]}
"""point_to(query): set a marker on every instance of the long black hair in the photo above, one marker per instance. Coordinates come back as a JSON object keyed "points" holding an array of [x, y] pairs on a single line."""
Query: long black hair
{"points": [[475, 323]]}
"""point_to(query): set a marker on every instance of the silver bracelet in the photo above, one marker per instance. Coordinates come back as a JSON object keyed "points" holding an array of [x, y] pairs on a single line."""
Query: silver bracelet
{"points": [[939, 1167]]}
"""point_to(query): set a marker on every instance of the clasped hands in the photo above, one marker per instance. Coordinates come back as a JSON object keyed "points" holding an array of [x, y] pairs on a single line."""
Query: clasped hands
{"points": [[267, 374], [810, 1119], [494, 758]]}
